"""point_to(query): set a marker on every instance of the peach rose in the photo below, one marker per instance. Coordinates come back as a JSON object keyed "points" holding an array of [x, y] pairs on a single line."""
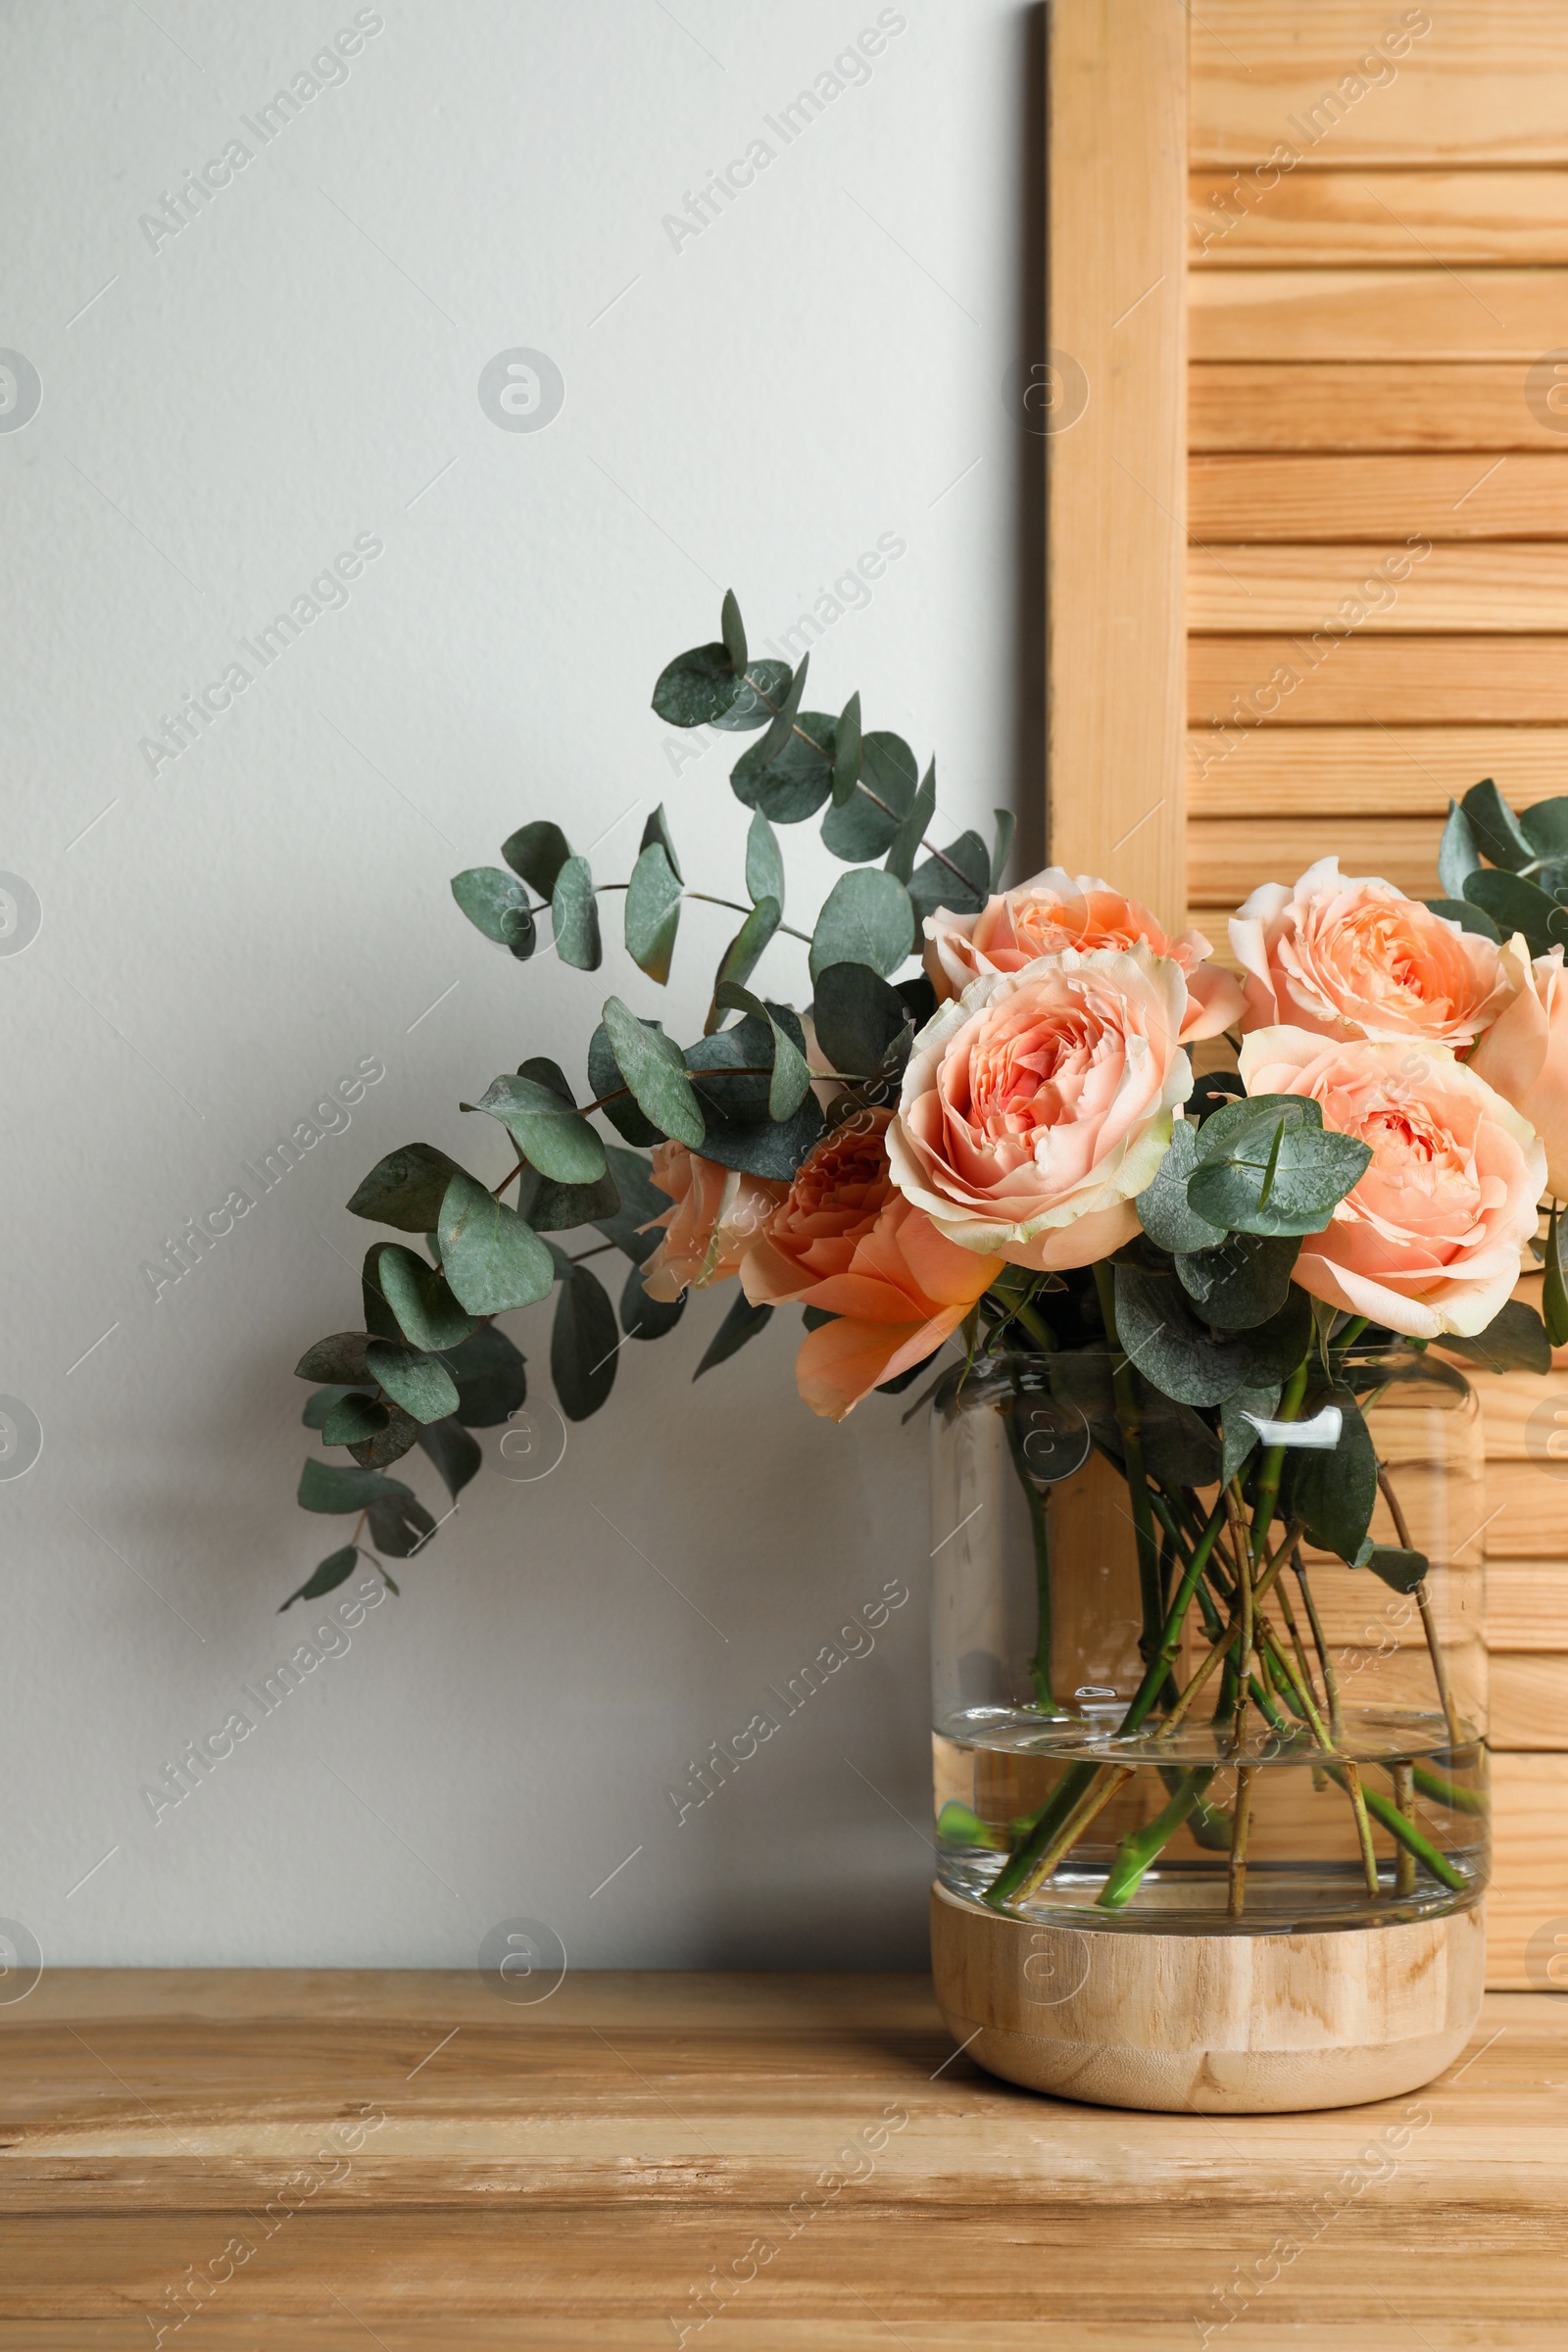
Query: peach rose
{"points": [[1429, 1240], [1039, 1103], [847, 1241], [1524, 1054], [716, 1217], [1349, 955], [1057, 910]]}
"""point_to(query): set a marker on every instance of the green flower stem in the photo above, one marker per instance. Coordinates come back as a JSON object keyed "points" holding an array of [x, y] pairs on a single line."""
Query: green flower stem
{"points": [[1246, 1641], [1160, 1664], [1040, 1663], [1226, 1641], [1438, 1670], [1138, 1848], [1379, 1806], [1404, 1799], [1093, 1802], [1331, 1681], [1448, 1792], [1142, 1846], [1351, 1781], [1440, 1674], [1130, 1422], [1272, 1466], [1042, 1838], [1405, 1831], [1242, 1819], [1038, 1838], [1303, 1670]]}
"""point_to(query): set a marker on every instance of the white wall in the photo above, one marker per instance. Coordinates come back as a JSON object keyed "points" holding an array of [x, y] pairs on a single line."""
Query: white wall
{"points": [[223, 939]]}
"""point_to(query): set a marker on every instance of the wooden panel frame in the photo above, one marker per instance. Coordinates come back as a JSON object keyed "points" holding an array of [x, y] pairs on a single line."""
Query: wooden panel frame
{"points": [[1116, 459], [1375, 325]]}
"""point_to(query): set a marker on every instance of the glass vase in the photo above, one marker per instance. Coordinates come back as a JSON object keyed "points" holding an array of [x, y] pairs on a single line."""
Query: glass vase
{"points": [[1345, 1789]]}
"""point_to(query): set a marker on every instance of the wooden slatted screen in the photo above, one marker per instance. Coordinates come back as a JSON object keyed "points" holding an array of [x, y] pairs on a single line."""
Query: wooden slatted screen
{"points": [[1378, 280]]}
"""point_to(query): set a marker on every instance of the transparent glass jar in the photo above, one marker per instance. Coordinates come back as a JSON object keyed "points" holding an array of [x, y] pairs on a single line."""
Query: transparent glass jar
{"points": [[1355, 1763]]}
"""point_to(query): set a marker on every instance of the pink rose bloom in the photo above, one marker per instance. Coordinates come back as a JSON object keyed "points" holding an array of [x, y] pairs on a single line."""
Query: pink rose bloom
{"points": [[847, 1241], [1349, 955], [1429, 1241], [1524, 1054], [1056, 911], [1039, 1103], [717, 1217]]}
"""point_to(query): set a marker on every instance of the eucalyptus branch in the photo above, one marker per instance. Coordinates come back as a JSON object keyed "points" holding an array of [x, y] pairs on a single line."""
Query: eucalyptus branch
{"points": [[621, 1093], [861, 785], [736, 908]]}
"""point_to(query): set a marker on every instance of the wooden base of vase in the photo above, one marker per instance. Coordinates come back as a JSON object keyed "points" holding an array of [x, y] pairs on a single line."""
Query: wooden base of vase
{"points": [[1237, 2025]]}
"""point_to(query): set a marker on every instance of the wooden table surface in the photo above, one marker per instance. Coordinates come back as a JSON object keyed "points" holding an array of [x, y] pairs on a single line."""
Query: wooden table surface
{"points": [[743, 2163]]}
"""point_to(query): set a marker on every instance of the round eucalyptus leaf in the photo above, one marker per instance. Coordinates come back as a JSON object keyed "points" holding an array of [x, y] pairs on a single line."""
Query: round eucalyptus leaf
{"points": [[651, 1067], [697, 688], [496, 904], [759, 699], [419, 1383], [789, 785], [867, 918]]}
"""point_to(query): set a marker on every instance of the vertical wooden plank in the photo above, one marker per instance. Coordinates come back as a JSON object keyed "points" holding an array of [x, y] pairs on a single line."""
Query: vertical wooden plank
{"points": [[1116, 499]]}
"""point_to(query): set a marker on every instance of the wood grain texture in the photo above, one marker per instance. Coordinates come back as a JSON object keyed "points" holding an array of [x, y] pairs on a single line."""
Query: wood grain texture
{"points": [[1527, 1607], [1384, 589], [573, 2174], [1452, 497], [1216, 2024], [1396, 405], [1116, 477], [1530, 1511], [1527, 1417], [1456, 680], [1482, 85], [1431, 314], [1529, 1863], [1372, 337], [1324, 772], [1227, 858], [1330, 217], [1528, 1692]]}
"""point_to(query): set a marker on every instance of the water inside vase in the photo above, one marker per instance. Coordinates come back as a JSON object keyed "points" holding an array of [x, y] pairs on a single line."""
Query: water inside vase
{"points": [[1157, 1854]]}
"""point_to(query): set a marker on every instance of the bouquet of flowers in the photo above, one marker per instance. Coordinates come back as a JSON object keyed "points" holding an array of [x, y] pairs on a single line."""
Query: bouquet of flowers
{"points": [[999, 1149]]}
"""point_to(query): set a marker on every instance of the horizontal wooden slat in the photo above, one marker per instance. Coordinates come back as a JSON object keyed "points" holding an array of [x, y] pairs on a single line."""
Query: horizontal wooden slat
{"points": [[1530, 1861], [1239, 219], [1492, 588], [1529, 1699], [1227, 858], [1381, 405], [1434, 314], [1482, 84], [1525, 1416], [1463, 681], [1342, 771], [1462, 496], [1532, 1511], [1527, 1609]]}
